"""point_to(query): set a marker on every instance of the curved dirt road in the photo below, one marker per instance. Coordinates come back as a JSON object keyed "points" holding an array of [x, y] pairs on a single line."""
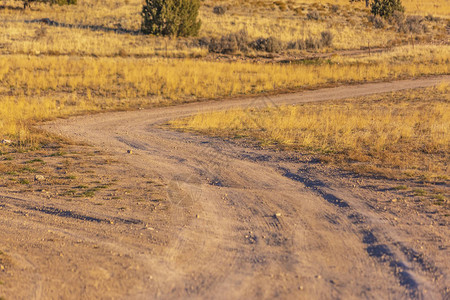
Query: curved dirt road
{"points": [[238, 223]]}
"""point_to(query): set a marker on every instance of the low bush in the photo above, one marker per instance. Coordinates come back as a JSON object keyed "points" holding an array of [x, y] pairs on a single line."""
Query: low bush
{"points": [[270, 44], [230, 43], [396, 18], [377, 21], [413, 24], [431, 18], [312, 43], [327, 38], [313, 15], [334, 8], [219, 10]]}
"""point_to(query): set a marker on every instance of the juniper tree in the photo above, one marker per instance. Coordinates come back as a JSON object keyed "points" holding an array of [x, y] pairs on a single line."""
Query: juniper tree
{"points": [[171, 17], [383, 8]]}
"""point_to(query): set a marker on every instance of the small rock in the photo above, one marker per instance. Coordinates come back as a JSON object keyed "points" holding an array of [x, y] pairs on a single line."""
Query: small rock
{"points": [[6, 142], [277, 215], [130, 151], [39, 178], [197, 216], [394, 200]]}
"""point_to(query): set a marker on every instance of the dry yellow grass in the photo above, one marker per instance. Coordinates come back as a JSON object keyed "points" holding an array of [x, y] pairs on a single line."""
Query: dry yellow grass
{"points": [[185, 79], [404, 131], [36, 88], [88, 28]]}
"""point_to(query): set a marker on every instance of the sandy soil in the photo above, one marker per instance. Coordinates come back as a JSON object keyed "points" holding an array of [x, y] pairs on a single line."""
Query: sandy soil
{"points": [[222, 221]]}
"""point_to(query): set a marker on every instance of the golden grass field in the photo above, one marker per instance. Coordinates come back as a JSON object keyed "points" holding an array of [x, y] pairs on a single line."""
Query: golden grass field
{"points": [[96, 61], [47, 87], [402, 134], [261, 18]]}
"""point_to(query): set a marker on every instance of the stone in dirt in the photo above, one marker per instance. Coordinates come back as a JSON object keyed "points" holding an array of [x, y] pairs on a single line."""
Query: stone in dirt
{"points": [[39, 178], [6, 142]]}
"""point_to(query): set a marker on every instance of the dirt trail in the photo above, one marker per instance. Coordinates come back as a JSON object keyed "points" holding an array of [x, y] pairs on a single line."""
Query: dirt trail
{"points": [[241, 223]]}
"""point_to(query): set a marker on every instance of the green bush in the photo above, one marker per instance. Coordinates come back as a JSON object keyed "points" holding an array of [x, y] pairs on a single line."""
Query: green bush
{"points": [[171, 17], [386, 8]]}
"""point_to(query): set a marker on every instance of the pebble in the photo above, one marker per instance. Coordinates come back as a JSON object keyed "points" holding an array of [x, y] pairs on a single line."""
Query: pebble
{"points": [[6, 142], [39, 178], [130, 151]]}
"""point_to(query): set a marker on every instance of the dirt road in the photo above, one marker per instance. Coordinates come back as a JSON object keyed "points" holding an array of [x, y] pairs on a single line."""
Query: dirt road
{"points": [[234, 222]]}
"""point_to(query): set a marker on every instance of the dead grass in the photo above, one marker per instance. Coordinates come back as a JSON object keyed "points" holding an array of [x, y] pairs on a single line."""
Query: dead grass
{"points": [[401, 135], [41, 88], [111, 28]]}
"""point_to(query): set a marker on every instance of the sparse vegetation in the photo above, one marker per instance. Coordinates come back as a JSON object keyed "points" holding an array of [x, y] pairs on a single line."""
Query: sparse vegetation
{"points": [[49, 87], [27, 3]]}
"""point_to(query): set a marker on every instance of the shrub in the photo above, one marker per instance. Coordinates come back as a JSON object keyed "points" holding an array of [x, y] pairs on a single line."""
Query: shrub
{"points": [[313, 43], [219, 10], [270, 44], [334, 8], [313, 15], [327, 38], [298, 44], [281, 5], [171, 17], [385, 8], [397, 18], [230, 43], [377, 21], [432, 18], [412, 24]]}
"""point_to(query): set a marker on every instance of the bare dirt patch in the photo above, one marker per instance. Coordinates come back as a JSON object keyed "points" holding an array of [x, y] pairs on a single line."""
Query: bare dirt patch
{"points": [[251, 223]]}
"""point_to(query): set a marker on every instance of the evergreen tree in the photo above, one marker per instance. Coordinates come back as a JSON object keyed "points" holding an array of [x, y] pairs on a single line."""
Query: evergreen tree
{"points": [[171, 17], [386, 8]]}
